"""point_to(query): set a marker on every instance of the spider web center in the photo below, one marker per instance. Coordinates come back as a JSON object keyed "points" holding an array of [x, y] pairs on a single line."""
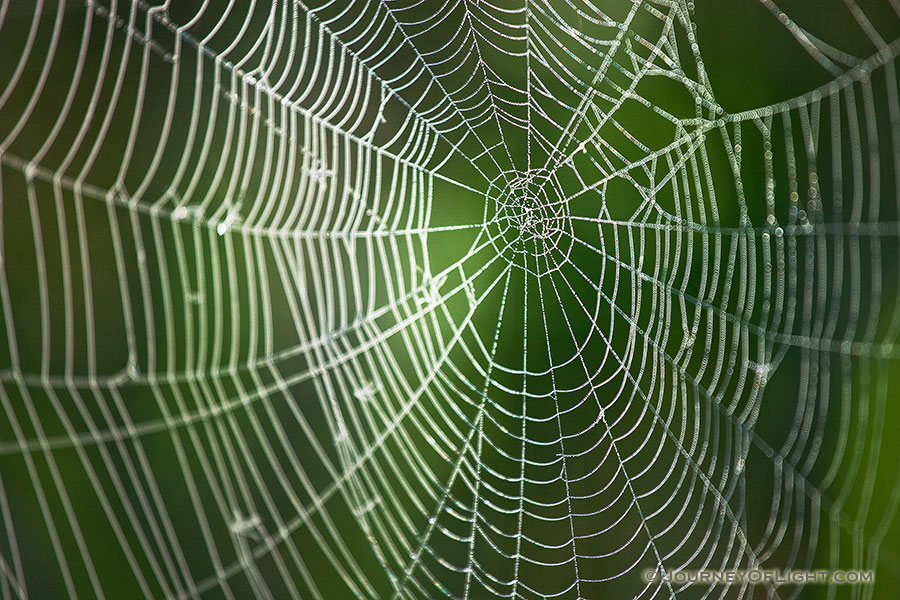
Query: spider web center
{"points": [[528, 221]]}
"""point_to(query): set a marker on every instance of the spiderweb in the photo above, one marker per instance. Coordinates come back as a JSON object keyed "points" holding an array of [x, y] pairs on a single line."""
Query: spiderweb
{"points": [[445, 299]]}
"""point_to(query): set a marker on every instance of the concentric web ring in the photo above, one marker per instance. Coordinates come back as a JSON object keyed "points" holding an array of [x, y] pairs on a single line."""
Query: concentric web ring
{"points": [[476, 299]]}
